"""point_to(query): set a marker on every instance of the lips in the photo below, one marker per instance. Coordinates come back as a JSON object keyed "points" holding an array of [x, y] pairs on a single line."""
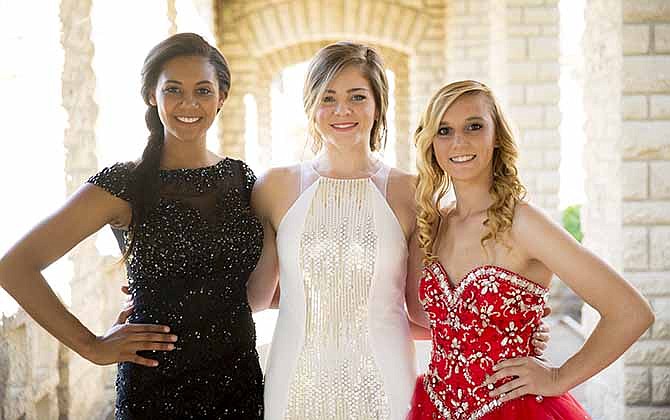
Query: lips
{"points": [[462, 158], [188, 120], [344, 126]]}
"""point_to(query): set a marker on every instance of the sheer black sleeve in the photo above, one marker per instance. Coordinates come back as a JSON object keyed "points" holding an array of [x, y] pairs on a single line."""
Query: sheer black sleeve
{"points": [[248, 179], [115, 179]]}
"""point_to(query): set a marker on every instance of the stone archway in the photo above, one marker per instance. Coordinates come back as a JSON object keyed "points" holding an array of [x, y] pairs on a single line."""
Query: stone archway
{"points": [[263, 38], [272, 63]]}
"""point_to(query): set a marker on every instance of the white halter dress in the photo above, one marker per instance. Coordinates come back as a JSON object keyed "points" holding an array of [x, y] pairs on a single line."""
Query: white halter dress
{"points": [[342, 347]]}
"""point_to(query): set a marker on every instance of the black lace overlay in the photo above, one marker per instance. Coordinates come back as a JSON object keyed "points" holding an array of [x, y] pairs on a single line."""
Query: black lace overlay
{"points": [[192, 258]]}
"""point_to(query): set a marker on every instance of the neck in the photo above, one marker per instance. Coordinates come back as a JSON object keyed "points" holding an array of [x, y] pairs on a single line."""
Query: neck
{"points": [[180, 154], [472, 196], [355, 162]]}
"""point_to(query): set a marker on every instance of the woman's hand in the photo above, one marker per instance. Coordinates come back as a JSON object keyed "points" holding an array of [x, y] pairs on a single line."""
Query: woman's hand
{"points": [[541, 339], [531, 376], [122, 342]]}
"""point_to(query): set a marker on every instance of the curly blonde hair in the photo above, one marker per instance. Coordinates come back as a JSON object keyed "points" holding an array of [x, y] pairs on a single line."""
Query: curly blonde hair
{"points": [[328, 62], [434, 183]]}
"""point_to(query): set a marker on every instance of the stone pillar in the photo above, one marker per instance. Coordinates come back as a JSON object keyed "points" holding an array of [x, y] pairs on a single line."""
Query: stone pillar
{"points": [[264, 107], [427, 64], [533, 93], [91, 288], [469, 39], [403, 140], [28, 370], [172, 16], [601, 215], [646, 198], [242, 68]]}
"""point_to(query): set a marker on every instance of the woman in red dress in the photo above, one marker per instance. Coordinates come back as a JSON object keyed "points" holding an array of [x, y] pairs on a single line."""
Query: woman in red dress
{"points": [[488, 259]]}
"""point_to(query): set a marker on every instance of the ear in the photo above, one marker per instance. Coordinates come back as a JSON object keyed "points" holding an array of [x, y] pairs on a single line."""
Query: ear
{"points": [[152, 100]]}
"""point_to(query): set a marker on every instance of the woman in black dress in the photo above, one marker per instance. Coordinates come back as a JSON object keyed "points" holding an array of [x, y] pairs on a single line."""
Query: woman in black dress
{"points": [[182, 218]]}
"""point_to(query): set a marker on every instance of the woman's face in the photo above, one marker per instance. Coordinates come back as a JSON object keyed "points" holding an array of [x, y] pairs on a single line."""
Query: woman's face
{"points": [[347, 111], [465, 139], [187, 96]]}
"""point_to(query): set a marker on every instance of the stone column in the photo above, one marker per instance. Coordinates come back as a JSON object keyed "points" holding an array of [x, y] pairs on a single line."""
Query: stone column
{"points": [[601, 215], [646, 198], [427, 63], [533, 94], [172, 16], [242, 68], [469, 40], [403, 140], [95, 298], [264, 106]]}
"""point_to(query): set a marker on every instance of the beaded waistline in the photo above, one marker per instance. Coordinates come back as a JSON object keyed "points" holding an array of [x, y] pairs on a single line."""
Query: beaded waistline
{"points": [[461, 412]]}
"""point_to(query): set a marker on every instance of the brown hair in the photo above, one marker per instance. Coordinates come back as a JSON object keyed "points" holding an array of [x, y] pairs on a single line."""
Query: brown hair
{"points": [[326, 65]]}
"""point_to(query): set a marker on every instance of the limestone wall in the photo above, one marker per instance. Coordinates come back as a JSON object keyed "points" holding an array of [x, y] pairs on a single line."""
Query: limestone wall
{"points": [[601, 216], [646, 197]]}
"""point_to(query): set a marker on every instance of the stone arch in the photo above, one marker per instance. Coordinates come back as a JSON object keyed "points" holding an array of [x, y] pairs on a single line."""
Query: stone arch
{"points": [[260, 39], [264, 28], [272, 63]]}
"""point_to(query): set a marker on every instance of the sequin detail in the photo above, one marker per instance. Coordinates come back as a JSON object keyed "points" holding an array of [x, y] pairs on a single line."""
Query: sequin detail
{"points": [[488, 317], [193, 256], [336, 375]]}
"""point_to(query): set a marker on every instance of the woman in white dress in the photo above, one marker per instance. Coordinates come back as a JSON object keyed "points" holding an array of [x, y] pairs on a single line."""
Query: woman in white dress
{"points": [[342, 347], [337, 230]]}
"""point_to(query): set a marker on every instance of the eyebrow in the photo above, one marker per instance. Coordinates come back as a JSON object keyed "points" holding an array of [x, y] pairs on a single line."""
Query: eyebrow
{"points": [[179, 83], [467, 119], [349, 91]]}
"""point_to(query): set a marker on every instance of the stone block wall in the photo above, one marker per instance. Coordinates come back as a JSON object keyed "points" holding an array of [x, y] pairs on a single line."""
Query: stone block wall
{"points": [[646, 197], [533, 95], [601, 216]]}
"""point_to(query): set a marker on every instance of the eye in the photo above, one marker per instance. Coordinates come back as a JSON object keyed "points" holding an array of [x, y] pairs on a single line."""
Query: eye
{"points": [[328, 99], [204, 91], [475, 127], [444, 131], [358, 98], [171, 89]]}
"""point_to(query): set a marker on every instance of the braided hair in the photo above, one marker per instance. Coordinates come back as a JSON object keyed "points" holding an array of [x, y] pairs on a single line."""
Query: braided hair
{"points": [[144, 188]]}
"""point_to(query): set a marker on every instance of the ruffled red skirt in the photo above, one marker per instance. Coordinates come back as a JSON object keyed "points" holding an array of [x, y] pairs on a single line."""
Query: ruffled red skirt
{"points": [[563, 407]]}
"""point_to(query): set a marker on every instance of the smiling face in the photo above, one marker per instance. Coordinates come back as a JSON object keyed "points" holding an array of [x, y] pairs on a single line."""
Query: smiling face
{"points": [[347, 111], [465, 139], [187, 97]]}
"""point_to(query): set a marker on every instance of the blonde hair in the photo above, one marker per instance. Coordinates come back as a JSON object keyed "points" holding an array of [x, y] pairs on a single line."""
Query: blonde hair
{"points": [[506, 188], [326, 65]]}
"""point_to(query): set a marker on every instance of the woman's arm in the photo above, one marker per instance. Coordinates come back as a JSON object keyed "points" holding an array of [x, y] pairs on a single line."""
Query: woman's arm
{"points": [[265, 277], [269, 202], [414, 307], [625, 314], [83, 214]]}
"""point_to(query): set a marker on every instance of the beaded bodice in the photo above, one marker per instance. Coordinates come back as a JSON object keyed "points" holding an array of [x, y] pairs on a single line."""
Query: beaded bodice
{"points": [[188, 270], [337, 249], [488, 317]]}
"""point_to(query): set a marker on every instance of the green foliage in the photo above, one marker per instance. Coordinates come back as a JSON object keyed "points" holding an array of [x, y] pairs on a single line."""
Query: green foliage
{"points": [[572, 222]]}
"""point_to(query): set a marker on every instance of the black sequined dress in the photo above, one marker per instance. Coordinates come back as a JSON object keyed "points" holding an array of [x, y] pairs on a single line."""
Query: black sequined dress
{"points": [[188, 270]]}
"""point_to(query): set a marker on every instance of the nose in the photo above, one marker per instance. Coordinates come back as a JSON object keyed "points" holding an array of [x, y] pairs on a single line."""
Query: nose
{"points": [[190, 100], [458, 138], [341, 108]]}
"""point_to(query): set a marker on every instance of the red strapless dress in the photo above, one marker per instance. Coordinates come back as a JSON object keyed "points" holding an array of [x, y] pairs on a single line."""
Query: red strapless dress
{"points": [[489, 317]]}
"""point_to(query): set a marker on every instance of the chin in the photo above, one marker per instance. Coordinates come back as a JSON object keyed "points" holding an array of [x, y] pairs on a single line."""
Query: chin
{"points": [[342, 141]]}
